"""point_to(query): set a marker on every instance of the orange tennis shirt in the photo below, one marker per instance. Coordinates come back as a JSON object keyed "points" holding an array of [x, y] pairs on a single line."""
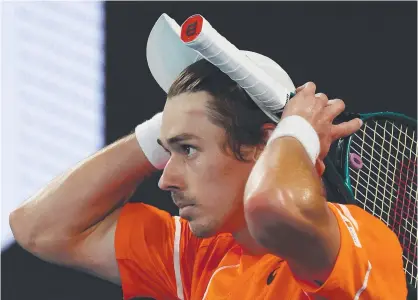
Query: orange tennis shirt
{"points": [[159, 257]]}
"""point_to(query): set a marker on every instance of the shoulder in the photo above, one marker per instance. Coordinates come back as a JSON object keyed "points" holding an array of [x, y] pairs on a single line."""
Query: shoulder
{"points": [[139, 226], [369, 261], [372, 232], [137, 217]]}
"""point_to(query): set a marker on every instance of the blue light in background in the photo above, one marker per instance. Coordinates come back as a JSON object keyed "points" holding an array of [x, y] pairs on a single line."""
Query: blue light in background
{"points": [[52, 88]]}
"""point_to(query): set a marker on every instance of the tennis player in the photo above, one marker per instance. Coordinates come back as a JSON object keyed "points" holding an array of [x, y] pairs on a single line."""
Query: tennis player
{"points": [[254, 219]]}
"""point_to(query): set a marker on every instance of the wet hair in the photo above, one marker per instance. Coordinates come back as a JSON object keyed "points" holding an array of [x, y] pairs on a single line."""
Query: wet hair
{"points": [[230, 107]]}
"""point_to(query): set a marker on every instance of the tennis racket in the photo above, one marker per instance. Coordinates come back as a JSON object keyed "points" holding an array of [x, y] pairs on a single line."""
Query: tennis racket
{"points": [[376, 169]]}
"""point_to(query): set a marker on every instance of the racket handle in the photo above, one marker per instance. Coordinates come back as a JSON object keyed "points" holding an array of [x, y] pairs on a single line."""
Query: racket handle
{"points": [[199, 35], [345, 116], [333, 177]]}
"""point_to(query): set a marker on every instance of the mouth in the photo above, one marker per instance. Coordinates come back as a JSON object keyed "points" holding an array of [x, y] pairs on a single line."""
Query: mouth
{"points": [[183, 205], [186, 211]]}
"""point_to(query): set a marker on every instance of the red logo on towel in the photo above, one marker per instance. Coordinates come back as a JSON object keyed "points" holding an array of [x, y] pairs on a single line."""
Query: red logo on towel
{"points": [[191, 28]]}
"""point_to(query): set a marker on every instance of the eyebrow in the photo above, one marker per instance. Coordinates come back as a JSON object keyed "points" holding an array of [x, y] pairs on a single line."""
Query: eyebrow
{"points": [[179, 138]]}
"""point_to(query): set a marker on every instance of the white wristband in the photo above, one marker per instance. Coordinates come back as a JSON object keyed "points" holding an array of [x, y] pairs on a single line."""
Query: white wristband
{"points": [[299, 128], [147, 133]]}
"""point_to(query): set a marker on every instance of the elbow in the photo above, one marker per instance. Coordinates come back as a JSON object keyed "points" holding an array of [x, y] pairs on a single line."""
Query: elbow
{"points": [[275, 215], [48, 246], [266, 212], [258, 215], [22, 231], [266, 201]]}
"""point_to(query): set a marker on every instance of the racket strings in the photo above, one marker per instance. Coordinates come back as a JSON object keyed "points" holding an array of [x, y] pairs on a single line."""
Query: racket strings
{"points": [[407, 137], [386, 184], [383, 213], [376, 169], [373, 138], [403, 205], [374, 161]]}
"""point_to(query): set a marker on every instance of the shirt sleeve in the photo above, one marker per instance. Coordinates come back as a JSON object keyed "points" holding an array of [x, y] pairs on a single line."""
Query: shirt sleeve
{"points": [[369, 263], [148, 245]]}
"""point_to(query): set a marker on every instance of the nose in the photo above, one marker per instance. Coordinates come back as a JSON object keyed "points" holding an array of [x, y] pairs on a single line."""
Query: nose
{"points": [[172, 177]]}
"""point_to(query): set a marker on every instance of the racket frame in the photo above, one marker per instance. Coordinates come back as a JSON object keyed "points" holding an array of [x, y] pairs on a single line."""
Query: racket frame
{"points": [[337, 169]]}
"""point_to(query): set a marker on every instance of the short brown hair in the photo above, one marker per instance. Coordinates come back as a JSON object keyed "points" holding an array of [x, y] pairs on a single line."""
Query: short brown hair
{"points": [[231, 108]]}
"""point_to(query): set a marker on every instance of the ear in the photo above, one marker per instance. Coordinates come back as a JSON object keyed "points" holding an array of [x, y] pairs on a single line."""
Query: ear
{"points": [[267, 129]]}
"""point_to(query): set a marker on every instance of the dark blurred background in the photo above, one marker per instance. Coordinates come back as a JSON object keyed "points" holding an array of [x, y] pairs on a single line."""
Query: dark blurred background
{"points": [[362, 52]]}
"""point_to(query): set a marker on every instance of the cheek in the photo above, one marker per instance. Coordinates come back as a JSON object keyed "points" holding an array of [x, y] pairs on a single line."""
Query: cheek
{"points": [[205, 174], [214, 170], [218, 180]]}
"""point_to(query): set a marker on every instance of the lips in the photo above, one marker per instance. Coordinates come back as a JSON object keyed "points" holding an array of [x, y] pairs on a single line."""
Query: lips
{"points": [[186, 212], [183, 205]]}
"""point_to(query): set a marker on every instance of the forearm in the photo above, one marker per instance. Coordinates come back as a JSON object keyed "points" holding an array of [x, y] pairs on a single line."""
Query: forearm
{"points": [[287, 179], [286, 208], [85, 194]]}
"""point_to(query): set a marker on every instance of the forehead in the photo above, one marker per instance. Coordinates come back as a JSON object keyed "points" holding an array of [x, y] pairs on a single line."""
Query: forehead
{"points": [[188, 113]]}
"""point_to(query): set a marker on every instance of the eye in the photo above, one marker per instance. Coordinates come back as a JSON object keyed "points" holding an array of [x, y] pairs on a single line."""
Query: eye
{"points": [[188, 150]]}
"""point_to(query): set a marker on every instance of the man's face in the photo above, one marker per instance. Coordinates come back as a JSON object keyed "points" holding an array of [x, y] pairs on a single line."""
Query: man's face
{"points": [[206, 183]]}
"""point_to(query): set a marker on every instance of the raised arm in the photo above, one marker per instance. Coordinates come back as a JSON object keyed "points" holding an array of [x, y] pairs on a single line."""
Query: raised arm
{"points": [[72, 220], [285, 205]]}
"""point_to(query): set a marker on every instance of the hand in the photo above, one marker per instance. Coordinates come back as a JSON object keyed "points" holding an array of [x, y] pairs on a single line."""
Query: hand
{"points": [[320, 112]]}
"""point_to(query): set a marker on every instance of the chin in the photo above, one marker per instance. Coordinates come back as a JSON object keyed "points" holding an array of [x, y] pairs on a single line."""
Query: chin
{"points": [[202, 230]]}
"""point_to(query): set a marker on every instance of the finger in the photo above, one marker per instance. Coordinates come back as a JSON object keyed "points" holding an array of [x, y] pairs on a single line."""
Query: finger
{"points": [[322, 97], [332, 101], [308, 88], [346, 128], [300, 88], [334, 108]]}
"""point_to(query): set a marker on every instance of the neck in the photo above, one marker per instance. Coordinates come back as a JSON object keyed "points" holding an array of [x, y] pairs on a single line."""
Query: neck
{"points": [[247, 243]]}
